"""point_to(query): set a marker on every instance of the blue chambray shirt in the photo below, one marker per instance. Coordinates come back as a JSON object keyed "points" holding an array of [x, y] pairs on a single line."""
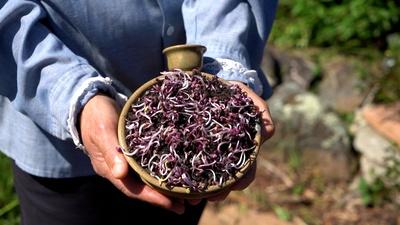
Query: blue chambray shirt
{"points": [[50, 48]]}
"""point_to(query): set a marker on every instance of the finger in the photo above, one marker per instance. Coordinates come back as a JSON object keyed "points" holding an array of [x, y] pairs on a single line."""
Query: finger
{"points": [[138, 190], [114, 159], [194, 201], [268, 127], [107, 140]]}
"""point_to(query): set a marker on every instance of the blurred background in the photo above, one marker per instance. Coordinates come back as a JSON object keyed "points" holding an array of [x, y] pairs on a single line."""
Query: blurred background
{"points": [[335, 158]]}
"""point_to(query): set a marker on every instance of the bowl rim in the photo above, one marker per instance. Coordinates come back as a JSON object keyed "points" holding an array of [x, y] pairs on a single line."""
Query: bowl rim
{"points": [[184, 46], [175, 191]]}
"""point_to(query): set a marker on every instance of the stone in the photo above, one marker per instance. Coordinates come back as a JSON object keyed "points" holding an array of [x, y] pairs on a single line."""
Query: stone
{"points": [[269, 65], [341, 87], [304, 124], [303, 117], [332, 166], [284, 94], [385, 119], [370, 144], [289, 67], [375, 150]]}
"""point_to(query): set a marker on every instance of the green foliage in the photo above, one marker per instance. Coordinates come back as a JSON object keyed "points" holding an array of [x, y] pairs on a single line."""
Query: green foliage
{"points": [[298, 189], [347, 118], [9, 211], [393, 50], [282, 213], [389, 88], [258, 196], [393, 172], [342, 23], [384, 186], [389, 83], [294, 160], [372, 194]]}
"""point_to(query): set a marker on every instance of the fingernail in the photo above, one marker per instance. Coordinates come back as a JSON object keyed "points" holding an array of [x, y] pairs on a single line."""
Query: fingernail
{"points": [[118, 149], [194, 201], [179, 209]]}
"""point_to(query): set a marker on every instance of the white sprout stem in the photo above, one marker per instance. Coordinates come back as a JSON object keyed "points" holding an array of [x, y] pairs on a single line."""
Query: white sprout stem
{"points": [[185, 85], [146, 116], [139, 111], [141, 128], [166, 178], [159, 104], [159, 111], [209, 118], [139, 105], [221, 180], [214, 176], [218, 123], [247, 149], [132, 125], [251, 115], [130, 153], [150, 161], [208, 164], [220, 144]]}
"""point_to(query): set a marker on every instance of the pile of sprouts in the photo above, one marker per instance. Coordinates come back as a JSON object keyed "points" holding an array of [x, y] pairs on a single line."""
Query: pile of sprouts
{"points": [[191, 131]]}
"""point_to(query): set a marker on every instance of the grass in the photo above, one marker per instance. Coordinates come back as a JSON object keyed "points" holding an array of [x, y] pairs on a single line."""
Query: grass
{"points": [[9, 211]]}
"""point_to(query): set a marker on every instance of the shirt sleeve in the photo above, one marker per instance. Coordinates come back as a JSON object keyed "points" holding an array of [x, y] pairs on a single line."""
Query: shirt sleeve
{"points": [[232, 70], [235, 33], [52, 83]]}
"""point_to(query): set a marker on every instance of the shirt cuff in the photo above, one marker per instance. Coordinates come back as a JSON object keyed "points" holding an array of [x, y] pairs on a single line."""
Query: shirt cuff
{"points": [[231, 70], [88, 89]]}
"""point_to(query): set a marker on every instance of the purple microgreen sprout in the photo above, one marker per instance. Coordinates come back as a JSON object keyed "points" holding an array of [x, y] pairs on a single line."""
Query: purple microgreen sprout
{"points": [[191, 131]]}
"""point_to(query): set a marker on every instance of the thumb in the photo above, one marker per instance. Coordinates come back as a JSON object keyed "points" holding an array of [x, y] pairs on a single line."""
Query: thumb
{"points": [[116, 162], [108, 125], [113, 158]]}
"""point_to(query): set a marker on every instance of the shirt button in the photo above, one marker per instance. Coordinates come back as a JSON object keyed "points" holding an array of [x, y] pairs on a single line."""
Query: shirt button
{"points": [[170, 30]]}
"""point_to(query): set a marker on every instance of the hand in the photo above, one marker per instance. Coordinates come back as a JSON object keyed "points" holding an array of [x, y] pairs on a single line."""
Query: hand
{"points": [[98, 123], [267, 130]]}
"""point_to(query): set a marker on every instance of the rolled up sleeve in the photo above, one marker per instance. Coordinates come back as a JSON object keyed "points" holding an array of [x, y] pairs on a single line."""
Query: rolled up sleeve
{"points": [[50, 79]]}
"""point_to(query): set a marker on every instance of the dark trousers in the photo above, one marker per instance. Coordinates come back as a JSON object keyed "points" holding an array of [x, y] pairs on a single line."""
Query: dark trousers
{"points": [[88, 201]]}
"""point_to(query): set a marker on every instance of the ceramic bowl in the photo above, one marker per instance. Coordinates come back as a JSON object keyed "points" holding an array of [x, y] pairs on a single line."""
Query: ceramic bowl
{"points": [[185, 57]]}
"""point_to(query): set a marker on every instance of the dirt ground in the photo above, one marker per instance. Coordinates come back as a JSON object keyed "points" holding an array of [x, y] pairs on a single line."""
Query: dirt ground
{"points": [[281, 196], [234, 214]]}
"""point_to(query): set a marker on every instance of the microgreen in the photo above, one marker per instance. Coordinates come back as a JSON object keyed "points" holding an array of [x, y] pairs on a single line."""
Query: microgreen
{"points": [[188, 130]]}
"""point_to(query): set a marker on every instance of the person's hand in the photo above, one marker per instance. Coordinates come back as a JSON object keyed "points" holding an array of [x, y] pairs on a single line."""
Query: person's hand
{"points": [[267, 130], [98, 124]]}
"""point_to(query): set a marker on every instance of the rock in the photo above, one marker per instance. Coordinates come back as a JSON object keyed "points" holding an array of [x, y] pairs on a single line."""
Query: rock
{"points": [[385, 119], [376, 151], [341, 87], [270, 67], [284, 94], [303, 117], [331, 166], [304, 124], [290, 67]]}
